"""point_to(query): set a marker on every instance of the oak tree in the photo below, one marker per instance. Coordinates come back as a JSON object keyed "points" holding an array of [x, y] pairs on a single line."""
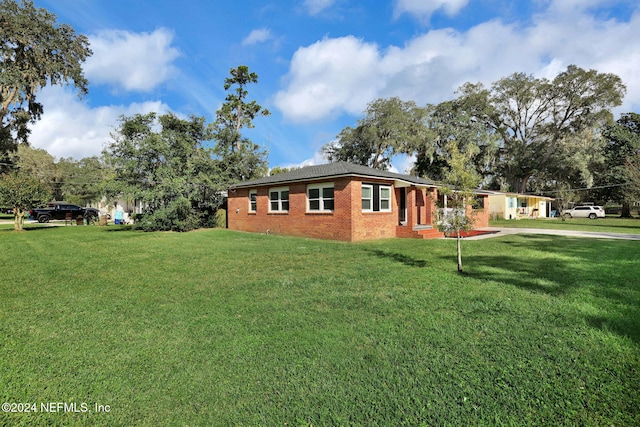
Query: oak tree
{"points": [[621, 152], [390, 126], [35, 51], [534, 116]]}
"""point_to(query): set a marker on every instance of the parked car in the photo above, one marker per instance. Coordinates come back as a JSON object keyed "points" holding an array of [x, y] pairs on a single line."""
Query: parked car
{"points": [[591, 212], [63, 210]]}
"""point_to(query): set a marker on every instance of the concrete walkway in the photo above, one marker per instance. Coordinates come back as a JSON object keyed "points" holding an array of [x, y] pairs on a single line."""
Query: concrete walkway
{"points": [[501, 231]]}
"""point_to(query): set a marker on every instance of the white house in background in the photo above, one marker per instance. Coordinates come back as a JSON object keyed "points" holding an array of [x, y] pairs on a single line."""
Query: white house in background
{"points": [[129, 207], [518, 206]]}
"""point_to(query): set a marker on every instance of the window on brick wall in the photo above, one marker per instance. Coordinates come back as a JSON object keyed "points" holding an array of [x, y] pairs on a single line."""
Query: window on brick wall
{"points": [[376, 198], [320, 197], [279, 199], [253, 200]]}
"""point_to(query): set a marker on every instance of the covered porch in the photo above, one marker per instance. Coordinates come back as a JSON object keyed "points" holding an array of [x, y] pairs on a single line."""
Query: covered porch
{"points": [[416, 207]]}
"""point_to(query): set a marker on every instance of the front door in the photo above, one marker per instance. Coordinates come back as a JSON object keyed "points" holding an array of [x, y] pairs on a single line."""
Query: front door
{"points": [[402, 211]]}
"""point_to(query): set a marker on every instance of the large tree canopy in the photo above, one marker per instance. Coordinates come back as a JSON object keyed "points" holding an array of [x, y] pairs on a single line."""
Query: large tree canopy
{"points": [[34, 51], [449, 122], [168, 169], [621, 152], [390, 126], [82, 181], [534, 117]]}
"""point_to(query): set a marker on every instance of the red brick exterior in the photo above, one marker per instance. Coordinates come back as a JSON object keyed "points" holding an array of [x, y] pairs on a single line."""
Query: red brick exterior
{"points": [[347, 222], [481, 214]]}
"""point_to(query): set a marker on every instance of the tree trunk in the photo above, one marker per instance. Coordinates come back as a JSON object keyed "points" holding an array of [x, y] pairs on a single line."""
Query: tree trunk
{"points": [[626, 210], [18, 219], [459, 251]]}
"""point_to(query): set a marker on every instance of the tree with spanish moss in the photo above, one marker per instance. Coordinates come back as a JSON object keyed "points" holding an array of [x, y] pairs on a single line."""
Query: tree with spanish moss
{"points": [[390, 126], [621, 152], [35, 51], [535, 117]]}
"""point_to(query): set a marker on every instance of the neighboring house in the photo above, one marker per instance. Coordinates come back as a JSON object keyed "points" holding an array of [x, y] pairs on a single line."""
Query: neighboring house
{"points": [[128, 207], [338, 201], [516, 205]]}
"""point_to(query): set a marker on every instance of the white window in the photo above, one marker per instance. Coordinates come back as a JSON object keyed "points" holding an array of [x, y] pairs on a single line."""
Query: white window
{"points": [[320, 197], [253, 200], [376, 198], [279, 199], [367, 197], [385, 198]]}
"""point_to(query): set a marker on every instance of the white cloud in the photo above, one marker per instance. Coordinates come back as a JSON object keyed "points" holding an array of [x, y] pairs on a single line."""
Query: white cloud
{"points": [[131, 61], [317, 159], [341, 75], [314, 7], [257, 36], [423, 9], [330, 76], [70, 128]]}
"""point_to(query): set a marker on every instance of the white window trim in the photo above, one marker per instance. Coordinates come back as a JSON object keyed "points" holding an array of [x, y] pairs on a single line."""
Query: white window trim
{"points": [[370, 187], [373, 196], [321, 199], [380, 197], [250, 208], [279, 190]]}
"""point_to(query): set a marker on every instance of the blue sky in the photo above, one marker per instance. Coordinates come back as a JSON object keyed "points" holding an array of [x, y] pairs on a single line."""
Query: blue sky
{"points": [[319, 61]]}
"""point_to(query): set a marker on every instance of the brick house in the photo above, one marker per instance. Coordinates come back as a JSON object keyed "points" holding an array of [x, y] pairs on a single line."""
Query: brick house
{"points": [[338, 201]]}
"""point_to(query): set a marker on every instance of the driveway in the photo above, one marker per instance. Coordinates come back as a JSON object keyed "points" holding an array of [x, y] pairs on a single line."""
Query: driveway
{"points": [[500, 231]]}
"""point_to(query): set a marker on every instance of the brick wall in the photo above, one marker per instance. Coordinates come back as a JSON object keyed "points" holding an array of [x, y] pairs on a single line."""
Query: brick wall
{"points": [[347, 222], [297, 221], [372, 225], [481, 215]]}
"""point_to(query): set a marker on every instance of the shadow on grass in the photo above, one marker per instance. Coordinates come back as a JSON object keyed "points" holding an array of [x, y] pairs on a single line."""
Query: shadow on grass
{"points": [[632, 223], [580, 266], [401, 258], [28, 228], [115, 228]]}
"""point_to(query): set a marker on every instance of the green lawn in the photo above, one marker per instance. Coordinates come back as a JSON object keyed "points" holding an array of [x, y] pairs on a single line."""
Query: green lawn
{"points": [[604, 225], [220, 328]]}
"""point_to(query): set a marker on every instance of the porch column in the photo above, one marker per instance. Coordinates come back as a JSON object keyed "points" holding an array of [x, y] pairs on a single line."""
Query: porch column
{"points": [[430, 207], [411, 206]]}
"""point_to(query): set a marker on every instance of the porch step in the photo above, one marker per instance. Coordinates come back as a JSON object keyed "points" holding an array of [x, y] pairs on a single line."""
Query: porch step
{"points": [[429, 233], [419, 232]]}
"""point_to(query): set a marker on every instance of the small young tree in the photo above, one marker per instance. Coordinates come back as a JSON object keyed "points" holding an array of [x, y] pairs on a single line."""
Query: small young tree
{"points": [[21, 191], [458, 190]]}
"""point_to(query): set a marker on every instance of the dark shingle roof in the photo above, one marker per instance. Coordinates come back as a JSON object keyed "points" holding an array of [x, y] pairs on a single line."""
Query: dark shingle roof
{"points": [[332, 170]]}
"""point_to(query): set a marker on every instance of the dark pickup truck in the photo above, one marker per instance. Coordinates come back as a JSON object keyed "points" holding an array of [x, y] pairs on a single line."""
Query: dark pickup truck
{"points": [[63, 211]]}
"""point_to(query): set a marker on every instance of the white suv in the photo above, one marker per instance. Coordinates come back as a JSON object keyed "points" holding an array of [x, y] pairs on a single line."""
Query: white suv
{"points": [[591, 212]]}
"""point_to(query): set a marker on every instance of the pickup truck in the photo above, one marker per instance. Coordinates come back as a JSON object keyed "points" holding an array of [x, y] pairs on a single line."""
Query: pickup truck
{"points": [[59, 211]]}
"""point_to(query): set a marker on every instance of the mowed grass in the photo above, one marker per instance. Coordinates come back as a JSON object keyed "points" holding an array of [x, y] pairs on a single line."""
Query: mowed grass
{"points": [[222, 328]]}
